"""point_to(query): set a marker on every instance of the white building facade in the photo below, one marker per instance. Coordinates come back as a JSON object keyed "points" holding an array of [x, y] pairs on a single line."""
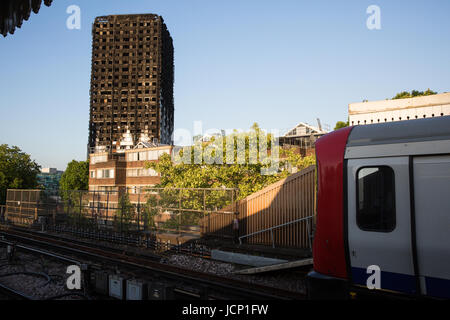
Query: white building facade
{"points": [[399, 109]]}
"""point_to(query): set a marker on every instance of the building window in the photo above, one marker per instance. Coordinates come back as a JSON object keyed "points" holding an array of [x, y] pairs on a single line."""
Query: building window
{"points": [[135, 190], [97, 159], [141, 172], [132, 190], [131, 172], [153, 155], [132, 156], [146, 155], [92, 174], [105, 173], [376, 199], [142, 156]]}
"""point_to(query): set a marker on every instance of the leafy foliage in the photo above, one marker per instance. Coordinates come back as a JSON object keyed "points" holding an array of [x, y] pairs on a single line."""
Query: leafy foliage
{"points": [[341, 124], [413, 93], [150, 211], [76, 176], [75, 205], [295, 160], [125, 213], [17, 170], [244, 176]]}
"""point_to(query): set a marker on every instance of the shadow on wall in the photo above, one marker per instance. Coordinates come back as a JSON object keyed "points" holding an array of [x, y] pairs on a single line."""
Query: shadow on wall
{"points": [[285, 201]]}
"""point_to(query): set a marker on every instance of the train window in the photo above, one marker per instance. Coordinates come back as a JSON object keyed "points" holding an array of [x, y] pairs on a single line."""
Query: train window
{"points": [[376, 199]]}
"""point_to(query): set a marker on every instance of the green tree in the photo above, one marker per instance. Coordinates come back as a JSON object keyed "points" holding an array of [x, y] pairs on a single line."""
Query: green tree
{"points": [[413, 93], [296, 160], [246, 176], [17, 170], [76, 176], [125, 213], [73, 181], [340, 124], [149, 212]]}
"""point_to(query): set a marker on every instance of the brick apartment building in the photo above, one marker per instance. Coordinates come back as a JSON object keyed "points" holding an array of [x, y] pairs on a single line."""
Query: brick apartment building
{"points": [[124, 172]]}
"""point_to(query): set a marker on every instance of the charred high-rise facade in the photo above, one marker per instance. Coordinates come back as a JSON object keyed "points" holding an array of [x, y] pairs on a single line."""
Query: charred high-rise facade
{"points": [[132, 78]]}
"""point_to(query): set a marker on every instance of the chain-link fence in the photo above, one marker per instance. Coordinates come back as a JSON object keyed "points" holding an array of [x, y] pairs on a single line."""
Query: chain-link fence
{"points": [[131, 210]]}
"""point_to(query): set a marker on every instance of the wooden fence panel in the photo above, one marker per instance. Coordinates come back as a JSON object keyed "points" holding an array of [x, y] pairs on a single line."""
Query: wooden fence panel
{"points": [[282, 202]]}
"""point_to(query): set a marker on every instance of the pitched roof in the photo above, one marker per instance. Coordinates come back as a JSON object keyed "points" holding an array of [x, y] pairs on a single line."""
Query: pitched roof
{"points": [[293, 132], [142, 144]]}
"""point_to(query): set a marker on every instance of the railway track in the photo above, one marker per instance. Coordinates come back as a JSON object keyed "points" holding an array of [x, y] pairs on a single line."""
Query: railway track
{"points": [[209, 286], [120, 239], [7, 293], [152, 256], [10, 293]]}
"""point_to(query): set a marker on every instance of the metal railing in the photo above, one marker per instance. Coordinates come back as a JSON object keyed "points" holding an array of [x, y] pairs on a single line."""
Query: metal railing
{"points": [[308, 228], [181, 210], [281, 202]]}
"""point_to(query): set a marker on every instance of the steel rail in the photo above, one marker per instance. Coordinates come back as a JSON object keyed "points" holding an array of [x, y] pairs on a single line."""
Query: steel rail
{"points": [[80, 242], [154, 256], [233, 287], [42, 252], [13, 294]]}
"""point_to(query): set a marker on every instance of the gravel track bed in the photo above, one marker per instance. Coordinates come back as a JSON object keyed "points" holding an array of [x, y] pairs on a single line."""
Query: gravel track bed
{"points": [[287, 280], [35, 286]]}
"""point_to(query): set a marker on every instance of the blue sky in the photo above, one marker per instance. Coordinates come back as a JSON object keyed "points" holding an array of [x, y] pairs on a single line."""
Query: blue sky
{"points": [[236, 62]]}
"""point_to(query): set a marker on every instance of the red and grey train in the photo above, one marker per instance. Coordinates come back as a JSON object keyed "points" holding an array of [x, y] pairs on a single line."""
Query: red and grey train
{"points": [[383, 199]]}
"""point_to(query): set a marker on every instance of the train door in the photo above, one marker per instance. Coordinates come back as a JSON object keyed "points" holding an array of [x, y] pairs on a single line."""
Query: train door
{"points": [[379, 223], [432, 212]]}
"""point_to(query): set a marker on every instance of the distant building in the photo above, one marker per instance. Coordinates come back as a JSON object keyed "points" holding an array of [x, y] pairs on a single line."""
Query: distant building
{"points": [[132, 81], [208, 136], [302, 136], [49, 178], [399, 109]]}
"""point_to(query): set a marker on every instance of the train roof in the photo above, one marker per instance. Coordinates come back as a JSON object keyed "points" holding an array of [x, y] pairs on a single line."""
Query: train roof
{"points": [[428, 129], [399, 138]]}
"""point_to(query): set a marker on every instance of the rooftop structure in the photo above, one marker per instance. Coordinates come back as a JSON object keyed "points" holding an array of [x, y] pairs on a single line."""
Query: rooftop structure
{"points": [[302, 135], [399, 109]]}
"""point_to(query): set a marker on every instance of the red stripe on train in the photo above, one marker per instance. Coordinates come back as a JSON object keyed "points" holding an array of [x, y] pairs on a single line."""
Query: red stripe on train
{"points": [[328, 247]]}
